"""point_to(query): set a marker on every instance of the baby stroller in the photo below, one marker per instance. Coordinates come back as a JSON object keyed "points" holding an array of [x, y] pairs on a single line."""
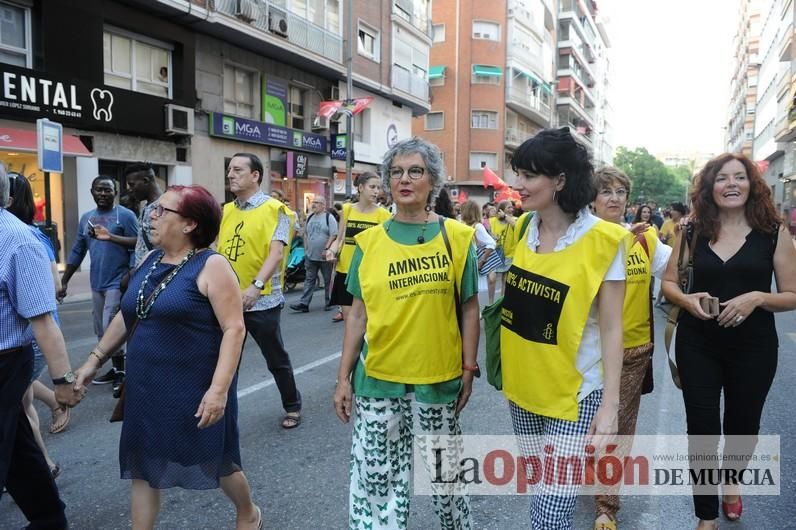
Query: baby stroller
{"points": [[295, 271]]}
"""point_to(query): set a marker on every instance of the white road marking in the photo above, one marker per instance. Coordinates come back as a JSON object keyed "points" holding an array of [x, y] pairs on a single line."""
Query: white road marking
{"points": [[309, 366]]}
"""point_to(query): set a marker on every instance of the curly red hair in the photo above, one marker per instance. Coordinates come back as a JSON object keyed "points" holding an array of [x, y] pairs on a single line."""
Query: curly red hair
{"points": [[760, 211]]}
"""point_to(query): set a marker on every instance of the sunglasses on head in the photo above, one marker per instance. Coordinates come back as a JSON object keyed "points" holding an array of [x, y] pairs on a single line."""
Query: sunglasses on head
{"points": [[12, 183]]}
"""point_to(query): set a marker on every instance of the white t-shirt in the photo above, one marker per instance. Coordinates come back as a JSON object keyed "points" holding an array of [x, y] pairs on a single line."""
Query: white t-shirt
{"points": [[589, 357], [482, 237]]}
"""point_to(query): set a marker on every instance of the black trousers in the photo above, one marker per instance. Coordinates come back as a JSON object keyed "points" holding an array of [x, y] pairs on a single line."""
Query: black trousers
{"points": [[23, 470], [709, 365], [264, 328]]}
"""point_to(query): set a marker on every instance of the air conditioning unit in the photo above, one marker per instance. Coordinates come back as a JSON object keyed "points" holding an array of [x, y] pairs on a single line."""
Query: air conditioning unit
{"points": [[245, 10], [334, 93], [179, 120], [319, 123], [277, 22]]}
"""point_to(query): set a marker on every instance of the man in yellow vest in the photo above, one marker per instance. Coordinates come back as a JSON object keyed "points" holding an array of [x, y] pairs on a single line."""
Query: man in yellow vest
{"points": [[255, 230]]}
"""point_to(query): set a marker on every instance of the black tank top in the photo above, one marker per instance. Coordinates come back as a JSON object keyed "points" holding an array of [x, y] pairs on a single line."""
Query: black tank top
{"points": [[749, 269]]}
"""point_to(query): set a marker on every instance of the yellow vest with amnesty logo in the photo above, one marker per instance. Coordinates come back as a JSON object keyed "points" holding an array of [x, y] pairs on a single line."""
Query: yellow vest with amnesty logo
{"points": [[245, 239], [545, 308], [356, 222], [503, 234], [636, 311], [408, 291]]}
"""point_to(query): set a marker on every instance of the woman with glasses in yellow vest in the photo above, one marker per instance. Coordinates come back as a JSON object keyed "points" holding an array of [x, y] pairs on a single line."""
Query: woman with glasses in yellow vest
{"points": [[410, 344], [646, 258], [357, 217], [561, 343]]}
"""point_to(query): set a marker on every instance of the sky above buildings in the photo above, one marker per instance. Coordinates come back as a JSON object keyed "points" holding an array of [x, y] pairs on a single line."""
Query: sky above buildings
{"points": [[671, 65]]}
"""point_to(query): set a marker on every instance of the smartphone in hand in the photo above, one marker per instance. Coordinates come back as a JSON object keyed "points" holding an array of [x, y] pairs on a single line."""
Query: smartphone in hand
{"points": [[710, 305]]}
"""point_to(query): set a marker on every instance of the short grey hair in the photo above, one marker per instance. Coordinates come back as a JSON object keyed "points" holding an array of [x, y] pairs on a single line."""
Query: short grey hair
{"points": [[432, 157], [5, 187]]}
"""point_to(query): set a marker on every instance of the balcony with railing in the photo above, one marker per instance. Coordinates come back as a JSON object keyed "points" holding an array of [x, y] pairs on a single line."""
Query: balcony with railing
{"points": [[273, 18], [514, 137], [409, 83], [528, 103], [413, 13]]}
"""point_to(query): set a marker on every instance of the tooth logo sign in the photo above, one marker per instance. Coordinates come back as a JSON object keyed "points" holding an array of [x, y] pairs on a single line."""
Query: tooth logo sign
{"points": [[102, 101]]}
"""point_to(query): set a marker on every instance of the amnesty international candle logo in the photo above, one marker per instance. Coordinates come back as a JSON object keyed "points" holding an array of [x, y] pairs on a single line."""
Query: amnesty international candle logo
{"points": [[532, 305], [233, 248]]}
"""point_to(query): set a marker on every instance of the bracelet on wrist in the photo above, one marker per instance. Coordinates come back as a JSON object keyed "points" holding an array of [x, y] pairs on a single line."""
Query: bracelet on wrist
{"points": [[100, 358]]}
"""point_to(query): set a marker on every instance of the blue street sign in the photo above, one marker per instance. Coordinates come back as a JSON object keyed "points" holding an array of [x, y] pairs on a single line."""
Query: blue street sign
{"points": [[50, 145]]}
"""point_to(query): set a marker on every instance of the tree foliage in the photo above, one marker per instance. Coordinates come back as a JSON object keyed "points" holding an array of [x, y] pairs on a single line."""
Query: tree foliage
{"points": [[651, 179]]}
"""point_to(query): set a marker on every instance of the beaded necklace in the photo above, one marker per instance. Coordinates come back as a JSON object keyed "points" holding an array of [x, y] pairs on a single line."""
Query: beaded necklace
{"points": [[144, 306], [422, 237]]}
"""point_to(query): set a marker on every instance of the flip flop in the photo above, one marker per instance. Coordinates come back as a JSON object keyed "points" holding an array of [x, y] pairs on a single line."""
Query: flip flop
{"points": [[59, 426], [289, 421]]}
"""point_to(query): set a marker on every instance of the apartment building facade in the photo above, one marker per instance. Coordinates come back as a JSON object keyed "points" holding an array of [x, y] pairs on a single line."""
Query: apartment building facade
{"points": [[264, 66], [501, 71], [762, 115], [186, 84], [740, 130], [492, 77], [582, 101], [109, 73]]}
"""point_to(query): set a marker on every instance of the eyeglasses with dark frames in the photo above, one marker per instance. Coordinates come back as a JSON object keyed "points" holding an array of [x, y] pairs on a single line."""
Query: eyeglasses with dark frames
{"points": [[414, 172], [160, 209]]}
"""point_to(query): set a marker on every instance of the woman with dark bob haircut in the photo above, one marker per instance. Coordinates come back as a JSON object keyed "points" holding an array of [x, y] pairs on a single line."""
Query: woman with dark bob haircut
{"points": [[182, 319], [561, 343], [738, 242]]}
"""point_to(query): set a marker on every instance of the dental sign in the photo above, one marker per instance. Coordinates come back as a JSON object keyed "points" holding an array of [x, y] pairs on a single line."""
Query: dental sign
{"points": [[259, 132], [34, 94]]}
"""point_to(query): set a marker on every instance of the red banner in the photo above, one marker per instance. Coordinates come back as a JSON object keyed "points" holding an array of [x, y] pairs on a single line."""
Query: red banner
{"points": [[353, 107], [491, 179]]}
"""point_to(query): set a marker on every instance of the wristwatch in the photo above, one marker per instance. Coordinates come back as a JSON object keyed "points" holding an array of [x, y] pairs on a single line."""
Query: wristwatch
{"points": [[67, 379], [258, 283]]}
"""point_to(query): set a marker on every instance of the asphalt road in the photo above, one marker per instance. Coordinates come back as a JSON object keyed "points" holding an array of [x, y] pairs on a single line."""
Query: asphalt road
{"points": [[300, 477]]}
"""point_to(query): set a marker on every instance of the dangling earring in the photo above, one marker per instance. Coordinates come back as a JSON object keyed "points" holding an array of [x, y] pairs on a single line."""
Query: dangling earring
{"points": [[555, 193]]}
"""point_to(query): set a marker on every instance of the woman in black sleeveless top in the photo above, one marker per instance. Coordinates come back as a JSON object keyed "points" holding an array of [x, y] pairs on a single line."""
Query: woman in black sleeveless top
{"points": [[739, 243]]}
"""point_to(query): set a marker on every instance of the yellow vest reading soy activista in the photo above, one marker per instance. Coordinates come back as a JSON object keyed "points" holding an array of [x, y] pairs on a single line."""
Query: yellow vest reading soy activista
{"points": [[636, 310], [545, 307], [245, 239], [408, 291], [356, 222]]}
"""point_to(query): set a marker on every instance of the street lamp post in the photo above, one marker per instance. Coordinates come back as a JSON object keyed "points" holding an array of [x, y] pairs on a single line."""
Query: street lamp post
{"points": [[349, 158]]}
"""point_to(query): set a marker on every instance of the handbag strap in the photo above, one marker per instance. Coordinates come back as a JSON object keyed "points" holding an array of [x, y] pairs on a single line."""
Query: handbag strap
{"points": [[455, 280], [642, 240]]}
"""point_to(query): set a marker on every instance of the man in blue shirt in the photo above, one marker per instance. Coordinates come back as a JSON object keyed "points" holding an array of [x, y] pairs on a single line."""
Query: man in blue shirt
{"points": [[27, 301], [110, 261]]}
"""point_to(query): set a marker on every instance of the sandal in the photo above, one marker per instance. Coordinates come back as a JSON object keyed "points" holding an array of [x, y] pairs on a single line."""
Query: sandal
{"points": [[291, 420], [259, 518], [610, 524], [60, 419], [55, 471]]}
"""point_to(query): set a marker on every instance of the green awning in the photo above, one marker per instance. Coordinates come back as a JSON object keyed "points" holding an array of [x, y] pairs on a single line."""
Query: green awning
{"points": [[536, 79], [479, 69], [530, 75], [435, 72]]}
